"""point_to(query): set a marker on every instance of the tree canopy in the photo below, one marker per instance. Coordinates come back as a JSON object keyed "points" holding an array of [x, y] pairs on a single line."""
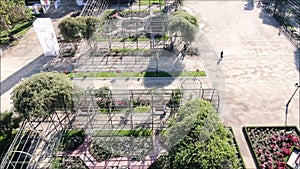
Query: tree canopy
{"points": [[13, 12], [43, 94], [184, 24], [8, 122], [205, 143], [71, 28]]}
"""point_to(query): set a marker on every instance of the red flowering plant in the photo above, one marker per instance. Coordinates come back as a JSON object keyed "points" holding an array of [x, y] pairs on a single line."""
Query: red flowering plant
{"points": [[272, 145]]}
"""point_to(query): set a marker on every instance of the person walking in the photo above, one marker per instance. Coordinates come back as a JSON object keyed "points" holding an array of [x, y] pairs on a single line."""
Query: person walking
{"points": [[221, 55]]}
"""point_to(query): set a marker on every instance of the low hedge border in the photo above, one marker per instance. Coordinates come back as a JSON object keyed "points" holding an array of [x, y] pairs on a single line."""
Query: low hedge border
{"points": [[239, 154], [123, 133], [249, 143]]}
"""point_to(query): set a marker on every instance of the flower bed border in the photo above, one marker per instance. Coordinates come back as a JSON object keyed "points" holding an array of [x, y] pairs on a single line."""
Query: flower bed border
{"points": [[249, 143], [239, 154]]}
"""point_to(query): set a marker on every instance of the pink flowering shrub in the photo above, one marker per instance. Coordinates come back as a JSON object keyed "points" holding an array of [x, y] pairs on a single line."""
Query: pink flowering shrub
{"points": [[272, 145]]}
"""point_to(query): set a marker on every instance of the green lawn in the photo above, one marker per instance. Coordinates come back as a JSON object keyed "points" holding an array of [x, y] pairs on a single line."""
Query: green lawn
{"points": [[128, 50], [137, 74], [142, 109], [146, 2], [19, 31], [135, 133]]}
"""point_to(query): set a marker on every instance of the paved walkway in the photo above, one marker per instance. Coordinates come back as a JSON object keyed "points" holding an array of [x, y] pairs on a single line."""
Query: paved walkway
{"points": [[259, 66], [26, 58]]}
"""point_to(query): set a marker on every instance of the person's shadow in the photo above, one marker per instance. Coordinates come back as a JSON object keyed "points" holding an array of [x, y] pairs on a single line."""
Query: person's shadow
{"points": [[219, 61]]}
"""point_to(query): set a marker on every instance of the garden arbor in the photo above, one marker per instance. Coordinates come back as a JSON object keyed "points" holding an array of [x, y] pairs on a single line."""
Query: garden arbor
{"points": [[46, 102]]}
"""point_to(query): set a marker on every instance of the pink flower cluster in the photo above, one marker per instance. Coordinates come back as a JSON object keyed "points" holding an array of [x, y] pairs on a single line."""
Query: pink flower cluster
{"points": [[273, 146]]}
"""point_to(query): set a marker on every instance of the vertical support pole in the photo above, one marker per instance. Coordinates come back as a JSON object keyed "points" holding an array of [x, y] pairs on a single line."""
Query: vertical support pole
{"points": [[131, 108]]}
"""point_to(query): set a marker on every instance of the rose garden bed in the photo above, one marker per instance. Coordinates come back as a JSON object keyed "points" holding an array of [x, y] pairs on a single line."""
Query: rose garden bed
{"points": [[271, 146], [68, 162], [103, 148]]}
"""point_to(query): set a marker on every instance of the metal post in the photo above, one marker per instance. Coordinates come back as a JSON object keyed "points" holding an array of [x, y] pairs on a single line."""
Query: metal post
{"points": [[287, 104]]}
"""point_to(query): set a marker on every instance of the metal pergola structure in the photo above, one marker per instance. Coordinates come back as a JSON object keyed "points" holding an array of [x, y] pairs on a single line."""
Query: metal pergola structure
{"points": [[121, 113], [94, 8], [110, 43], [287, 13], [36, 141]]}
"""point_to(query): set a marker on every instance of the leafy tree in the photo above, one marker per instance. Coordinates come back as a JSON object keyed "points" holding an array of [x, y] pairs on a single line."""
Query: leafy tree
{"points": [[104, 97], [207, 143], [43, 94], [71, 28], [175, 100], [8, 122], [185, 24], [192, 19], [13, 12]]}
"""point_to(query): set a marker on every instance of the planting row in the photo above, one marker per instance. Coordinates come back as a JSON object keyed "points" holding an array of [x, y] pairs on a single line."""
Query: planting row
{"points": [[271, 146]]}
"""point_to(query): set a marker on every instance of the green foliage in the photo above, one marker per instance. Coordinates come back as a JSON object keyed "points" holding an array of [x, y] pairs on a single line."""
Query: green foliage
{"points": [[43, 94], [99, 152], [72, 28], [132, 147], [5, 142], [133, 133], [142, 109], [57, 163], [13, 12], [192, 19], [71, 162], [174, 102], [185, 24], [8, 122], [139, 74], [104, 97], [72, 139], [103, 92], [207, 144]]}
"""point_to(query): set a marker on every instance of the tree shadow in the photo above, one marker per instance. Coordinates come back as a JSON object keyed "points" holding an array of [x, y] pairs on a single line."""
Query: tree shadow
{"points": [[268, 19], [163, 70], [249, 5], [64, 9], [30, 69], [297, 58]]}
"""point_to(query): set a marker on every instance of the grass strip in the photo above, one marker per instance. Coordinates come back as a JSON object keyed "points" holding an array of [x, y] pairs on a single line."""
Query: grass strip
{"points": [[146, 2], [137, 74], [134, 133]]}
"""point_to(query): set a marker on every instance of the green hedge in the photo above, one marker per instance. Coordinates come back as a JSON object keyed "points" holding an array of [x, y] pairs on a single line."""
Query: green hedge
{"points": [[239, 154], [72, 139], [133, 133], [5, 143], [138, 74], [68, 162]]}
